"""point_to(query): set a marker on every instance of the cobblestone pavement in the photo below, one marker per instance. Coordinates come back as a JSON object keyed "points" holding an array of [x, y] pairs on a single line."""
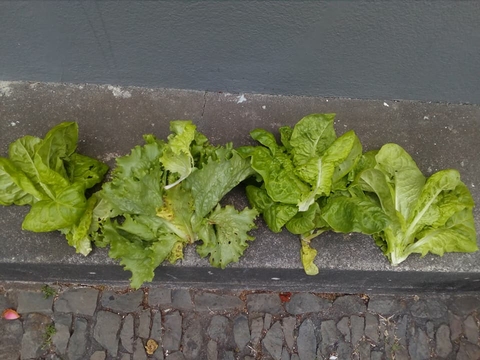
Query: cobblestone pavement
{"points": [[96, 323]]}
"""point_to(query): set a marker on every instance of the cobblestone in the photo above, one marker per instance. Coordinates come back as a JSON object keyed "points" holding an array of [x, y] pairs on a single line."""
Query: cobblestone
{"points": [[194, 324], [81, 301], [34, 302]]}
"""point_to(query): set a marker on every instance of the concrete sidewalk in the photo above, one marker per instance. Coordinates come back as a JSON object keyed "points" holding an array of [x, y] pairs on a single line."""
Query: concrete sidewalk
{"points": [[112, 120], [97, 323]]}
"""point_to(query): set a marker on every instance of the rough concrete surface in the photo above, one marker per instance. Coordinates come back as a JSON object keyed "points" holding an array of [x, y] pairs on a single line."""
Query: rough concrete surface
{"points": [[112, 120]]}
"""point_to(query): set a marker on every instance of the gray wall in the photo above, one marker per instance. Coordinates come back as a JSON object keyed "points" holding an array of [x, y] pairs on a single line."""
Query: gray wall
{"points": [[386, 50]]}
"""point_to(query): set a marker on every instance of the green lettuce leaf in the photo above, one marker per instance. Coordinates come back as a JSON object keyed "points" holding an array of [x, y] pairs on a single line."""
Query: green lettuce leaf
{"points": [[177, 158], [51, 177], [225, 234], [424, 216]]}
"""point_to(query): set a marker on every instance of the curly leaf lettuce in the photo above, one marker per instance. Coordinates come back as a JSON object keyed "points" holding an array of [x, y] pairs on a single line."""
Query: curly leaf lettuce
{"points": [[164, 196], [424, 216]]}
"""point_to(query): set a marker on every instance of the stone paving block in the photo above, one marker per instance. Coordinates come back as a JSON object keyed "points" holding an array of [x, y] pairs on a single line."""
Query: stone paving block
{"points": [[364, 350], [98, 355], [357, 324], [158, 354], [288, 324], [442, 340], [11, 333], [371, 327], [294, 357], [273, 341], [177, 355], [465, 304], [156, 331], [228, 355], [344, 328], [386, 305], [126, 357], [329, 335], [139, 351], [81, 301], [267, 321], [343, 351], [468, 351], [349, 304], [127, 333], [241, 331], [376, 355], [193, 339], [77, 346], [455, 323], [418, 346], [33, 302], [173, 331], [430, 329], [470, 329], [34, 328], [307, 341], [182, 300], [303, 303], [161, 297], [212, 350], [429, 308], [217, 330], [126, 303], [63, 323], [264, 303], [401, 330], [106, 331], [144, 320], [285, 354], [256, 328], [214, 302]]}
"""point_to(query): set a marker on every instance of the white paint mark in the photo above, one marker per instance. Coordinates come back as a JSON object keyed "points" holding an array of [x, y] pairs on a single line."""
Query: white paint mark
{"points": [[13, 123], [210, 273], [119, 93], [473, 185], [333, 357], [429, 169], [5, 89], [327, 100], [275, 279], [264, 107], [462, 163], [241, 99], [426, 117], [385, 104], [92, 273]]}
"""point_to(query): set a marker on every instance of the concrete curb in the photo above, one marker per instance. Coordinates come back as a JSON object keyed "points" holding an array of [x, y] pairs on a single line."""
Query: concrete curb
{"points": [[112, 121]]}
